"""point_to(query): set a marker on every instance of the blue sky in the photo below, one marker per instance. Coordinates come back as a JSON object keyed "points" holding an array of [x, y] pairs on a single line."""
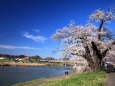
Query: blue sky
{"points": [[27, 25]]}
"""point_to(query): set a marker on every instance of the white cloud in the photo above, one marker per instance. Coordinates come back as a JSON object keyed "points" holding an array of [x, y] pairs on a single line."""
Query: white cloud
{"points": [[37, 30], [18, 47], [35, 38]]}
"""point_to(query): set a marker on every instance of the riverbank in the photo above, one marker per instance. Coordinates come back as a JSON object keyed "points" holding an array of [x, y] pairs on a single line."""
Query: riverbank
{"points": [[86, 79], [73, 79], [45, 80], [32, 64], [22, 64]]}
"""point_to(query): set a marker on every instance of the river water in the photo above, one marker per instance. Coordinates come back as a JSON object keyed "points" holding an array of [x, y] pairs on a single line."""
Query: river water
{"points": [[10, 75]]}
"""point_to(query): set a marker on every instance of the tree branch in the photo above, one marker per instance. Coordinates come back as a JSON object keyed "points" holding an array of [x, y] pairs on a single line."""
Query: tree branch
{"points": [[105, 52], [99, 30]]}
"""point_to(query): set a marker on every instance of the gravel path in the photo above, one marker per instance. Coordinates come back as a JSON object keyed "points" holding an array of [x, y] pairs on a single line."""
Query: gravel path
{"points": [[111, 79]]}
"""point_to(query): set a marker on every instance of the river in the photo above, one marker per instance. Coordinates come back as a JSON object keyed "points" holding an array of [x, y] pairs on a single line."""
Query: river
{"points": [[10, 75]]}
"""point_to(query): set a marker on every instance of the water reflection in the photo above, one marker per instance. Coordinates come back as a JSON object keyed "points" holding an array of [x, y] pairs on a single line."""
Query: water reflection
{"points": [[14, 74]]}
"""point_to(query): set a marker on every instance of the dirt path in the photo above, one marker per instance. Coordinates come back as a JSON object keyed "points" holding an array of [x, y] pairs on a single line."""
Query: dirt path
{"points": [[111, 79], [60, 77]]}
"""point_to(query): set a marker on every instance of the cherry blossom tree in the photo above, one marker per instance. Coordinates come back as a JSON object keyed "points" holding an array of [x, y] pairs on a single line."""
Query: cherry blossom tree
{"points": [[93, 41]]}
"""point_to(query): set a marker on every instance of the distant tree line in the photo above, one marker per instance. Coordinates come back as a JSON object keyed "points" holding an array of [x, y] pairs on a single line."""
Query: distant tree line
{"points": [[14, 57]]}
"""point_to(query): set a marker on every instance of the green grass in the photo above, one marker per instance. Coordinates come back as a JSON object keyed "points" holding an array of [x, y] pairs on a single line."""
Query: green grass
{"points": [[88, 79], [5, 60]]}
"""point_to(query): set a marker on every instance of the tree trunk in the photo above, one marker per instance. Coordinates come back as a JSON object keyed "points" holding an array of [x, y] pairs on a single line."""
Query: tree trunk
{"points": [[97, 57], [89, 59], [94, 64]]}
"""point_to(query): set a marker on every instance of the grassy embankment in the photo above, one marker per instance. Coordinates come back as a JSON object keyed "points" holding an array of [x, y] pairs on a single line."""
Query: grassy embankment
{"points": [[86, 79], [12, 63], [27, 64]]}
